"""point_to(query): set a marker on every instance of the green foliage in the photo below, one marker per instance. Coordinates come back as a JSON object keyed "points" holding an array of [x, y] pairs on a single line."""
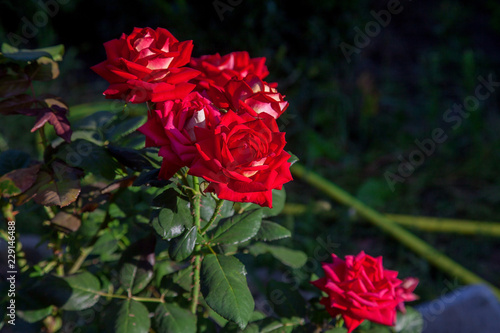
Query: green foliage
{"points": [[238, 228], [409, 322], [224, 287], [182, 246], [124, 244], [170, 317], [127, 316], [137, 262], [270, 231]]}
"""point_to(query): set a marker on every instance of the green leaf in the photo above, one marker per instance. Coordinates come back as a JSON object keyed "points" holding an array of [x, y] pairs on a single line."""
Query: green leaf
{"points": [[409, 322], [96, 121], [90, 157], [279, 198], [34, 315], [12, 160], [270, 231], [54, 52], [72, 293], [238, 228], [293, 158], [164, 268], [169, 317], [184, 278], [181, 247], [287, 302], [24, 55], [208, 206], [166, 224], [136, 264], [127, 316], [174, 215], [106, 244], [121, 128], [289, 257], [224, 287], [85, 287]]}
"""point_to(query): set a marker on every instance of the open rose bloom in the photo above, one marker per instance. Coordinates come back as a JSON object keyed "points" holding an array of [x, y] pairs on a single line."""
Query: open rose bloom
{"points": [[225, 131], [360, 288], [217, 70], [147, 66], [243, 158]]}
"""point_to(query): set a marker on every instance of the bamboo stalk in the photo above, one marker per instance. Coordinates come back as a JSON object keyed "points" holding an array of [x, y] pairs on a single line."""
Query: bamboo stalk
{"points": [[435, 224], [424, 223], [416, 244]]}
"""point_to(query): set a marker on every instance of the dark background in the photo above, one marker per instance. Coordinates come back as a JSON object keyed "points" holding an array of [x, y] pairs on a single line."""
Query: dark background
{"points": [[349, 121]]}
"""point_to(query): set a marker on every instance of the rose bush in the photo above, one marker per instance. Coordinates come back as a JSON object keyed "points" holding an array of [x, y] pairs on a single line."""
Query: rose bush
{"points": [[359, 288], [147, 65], [135, 235]]}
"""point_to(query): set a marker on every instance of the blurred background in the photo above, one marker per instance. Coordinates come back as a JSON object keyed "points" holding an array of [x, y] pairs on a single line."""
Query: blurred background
{"points": [[359, 100]]}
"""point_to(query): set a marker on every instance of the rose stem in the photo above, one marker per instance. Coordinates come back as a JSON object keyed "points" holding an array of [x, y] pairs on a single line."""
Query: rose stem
{"points": [[197, 258]]}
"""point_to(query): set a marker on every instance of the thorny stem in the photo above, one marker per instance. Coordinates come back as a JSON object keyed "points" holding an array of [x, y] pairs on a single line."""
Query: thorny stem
{"points": [[197, 258], [217, 209], [135, 298]]}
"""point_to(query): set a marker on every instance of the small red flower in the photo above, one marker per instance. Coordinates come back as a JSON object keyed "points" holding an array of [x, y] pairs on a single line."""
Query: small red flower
{"points": [[360, 288], [147, 65], [250, 95], [405, 291]]}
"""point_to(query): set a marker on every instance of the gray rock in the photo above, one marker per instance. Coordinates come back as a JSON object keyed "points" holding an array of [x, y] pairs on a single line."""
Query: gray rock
{"points": [[469, 309]]}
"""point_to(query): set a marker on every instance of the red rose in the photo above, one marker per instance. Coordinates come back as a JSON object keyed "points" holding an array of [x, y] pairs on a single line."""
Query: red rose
{"points": [[217, 70], [405, 291], [146, 65], [250, 95], [242, 158], [360, 288], [171, 126]]}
